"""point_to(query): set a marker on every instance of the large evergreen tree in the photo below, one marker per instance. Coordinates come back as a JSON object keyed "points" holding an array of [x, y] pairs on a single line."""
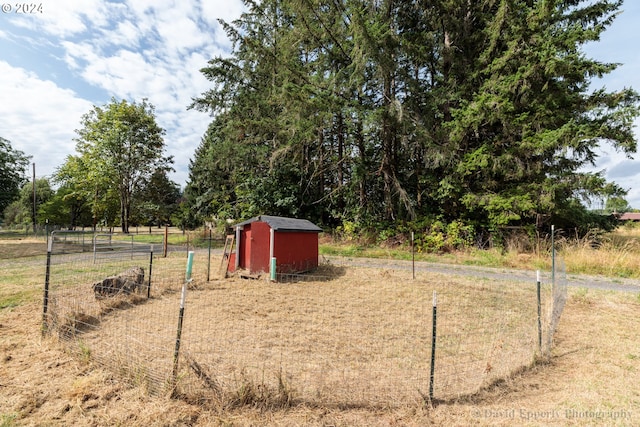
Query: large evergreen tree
{"points": [[387, 110], [156, 199]]}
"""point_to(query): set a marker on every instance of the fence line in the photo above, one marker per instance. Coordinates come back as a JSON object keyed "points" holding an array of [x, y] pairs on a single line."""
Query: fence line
{"points": [[342, 335]]}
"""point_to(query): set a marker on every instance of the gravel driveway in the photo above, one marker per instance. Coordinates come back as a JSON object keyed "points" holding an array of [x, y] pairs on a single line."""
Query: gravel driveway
{"points": [[582, 281]]}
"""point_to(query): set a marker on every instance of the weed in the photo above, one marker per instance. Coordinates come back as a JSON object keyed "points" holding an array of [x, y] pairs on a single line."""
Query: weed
{"points": [[10, 301], [85, 351], [581, 296], [260, 394]]}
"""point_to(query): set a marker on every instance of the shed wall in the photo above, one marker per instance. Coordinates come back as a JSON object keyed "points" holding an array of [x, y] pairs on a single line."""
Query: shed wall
{"points": [[295, 251]]}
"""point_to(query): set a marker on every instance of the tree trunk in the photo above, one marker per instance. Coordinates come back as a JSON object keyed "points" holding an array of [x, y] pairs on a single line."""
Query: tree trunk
{"points": [[362, 184], [387, 168], [124, 214]]}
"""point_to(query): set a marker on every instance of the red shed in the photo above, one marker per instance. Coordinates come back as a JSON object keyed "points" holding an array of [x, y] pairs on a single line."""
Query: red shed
{"points": [[292, 242]]}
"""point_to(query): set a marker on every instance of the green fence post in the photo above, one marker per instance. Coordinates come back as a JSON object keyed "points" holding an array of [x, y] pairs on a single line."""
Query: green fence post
{"points": [[273, 269], [176, 352]]}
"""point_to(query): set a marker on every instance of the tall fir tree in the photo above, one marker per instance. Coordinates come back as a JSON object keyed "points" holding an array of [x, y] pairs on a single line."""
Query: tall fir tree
{"points": [[384, 111]]}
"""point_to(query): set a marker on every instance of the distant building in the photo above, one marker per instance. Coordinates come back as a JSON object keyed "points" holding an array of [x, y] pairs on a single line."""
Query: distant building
{"points": [[630, 216]]}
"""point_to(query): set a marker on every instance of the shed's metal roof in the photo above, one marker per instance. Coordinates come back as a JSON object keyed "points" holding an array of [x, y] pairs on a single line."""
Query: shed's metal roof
{"points": [[279, 223]]}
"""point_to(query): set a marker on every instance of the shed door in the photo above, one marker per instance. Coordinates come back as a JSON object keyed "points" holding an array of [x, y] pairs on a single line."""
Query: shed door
{"points": [[245, 248], [260, 246]]}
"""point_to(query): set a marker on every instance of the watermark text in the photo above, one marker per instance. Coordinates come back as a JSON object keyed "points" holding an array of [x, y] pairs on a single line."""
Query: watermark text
{"points": [[22, 8], [553, 414]]}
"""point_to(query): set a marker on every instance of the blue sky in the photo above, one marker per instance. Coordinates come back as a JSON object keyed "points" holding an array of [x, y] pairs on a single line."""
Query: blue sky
{"points": [[69, 55], [56, 64]]}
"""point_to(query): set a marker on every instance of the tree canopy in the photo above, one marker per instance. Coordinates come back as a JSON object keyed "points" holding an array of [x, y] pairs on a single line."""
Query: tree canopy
{"points": [[480, 111], [120, 148], [13, 170]]}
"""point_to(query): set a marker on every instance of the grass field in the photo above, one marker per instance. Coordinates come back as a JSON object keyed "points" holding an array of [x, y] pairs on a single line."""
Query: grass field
{"points": [[352, 339], [592, 377]]}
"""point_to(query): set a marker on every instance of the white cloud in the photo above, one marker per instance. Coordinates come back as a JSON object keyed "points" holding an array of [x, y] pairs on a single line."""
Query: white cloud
{"points": [[144, 7], [180, 34], [124, 74], [130, 49], [41, 117], [84, 52], [226, 10], [126, 34], [64, 18]]}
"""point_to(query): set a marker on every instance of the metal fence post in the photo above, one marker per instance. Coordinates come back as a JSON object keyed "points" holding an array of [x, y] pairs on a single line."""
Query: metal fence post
{"points": [[553, 255], [209, 258], [413, 257], [150, 273], [539, 312], [45, 304], [433, 344], [165, 243]]}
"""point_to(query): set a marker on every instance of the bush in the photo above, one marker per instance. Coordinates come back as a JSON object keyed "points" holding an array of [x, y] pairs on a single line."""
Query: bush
{"points": [[430, 235]]}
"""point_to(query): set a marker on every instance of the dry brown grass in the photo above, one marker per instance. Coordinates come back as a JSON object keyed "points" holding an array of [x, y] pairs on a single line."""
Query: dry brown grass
{"points": [[592, 377], [595, 367], [361, 338], [614, 255], [25, 247]]}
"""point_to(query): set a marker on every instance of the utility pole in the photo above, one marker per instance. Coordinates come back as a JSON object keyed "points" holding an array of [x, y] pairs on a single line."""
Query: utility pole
{"points": [[34, 199]]}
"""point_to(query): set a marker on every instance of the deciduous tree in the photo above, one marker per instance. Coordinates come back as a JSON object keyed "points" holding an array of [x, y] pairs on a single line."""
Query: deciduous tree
{"points": [[13, 170], [120, 146]]}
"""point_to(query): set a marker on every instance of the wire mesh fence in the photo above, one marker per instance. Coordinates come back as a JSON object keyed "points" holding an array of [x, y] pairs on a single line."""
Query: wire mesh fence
{"points": [[341, 335], [557, 298], [95, 305]]}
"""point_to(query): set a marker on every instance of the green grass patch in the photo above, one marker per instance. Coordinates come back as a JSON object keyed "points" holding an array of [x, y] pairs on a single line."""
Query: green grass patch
{"points": [[193, 239], [139, 238], [14, 300], [15, 234], [20, 283], [8, 420], [341, 250]]}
